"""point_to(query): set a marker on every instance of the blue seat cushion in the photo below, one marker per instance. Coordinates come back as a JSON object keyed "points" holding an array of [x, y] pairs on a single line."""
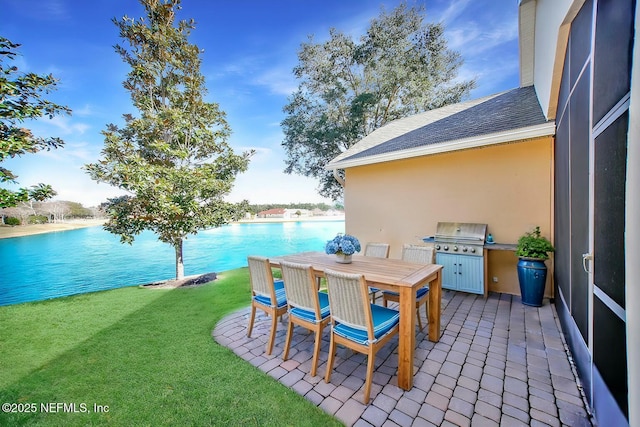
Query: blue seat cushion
{"points": [[309, 315], [419, 293], [281, 297], [384, 319]]}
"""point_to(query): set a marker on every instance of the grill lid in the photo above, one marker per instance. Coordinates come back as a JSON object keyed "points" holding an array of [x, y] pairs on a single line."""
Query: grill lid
{"points": [[466, 232]]}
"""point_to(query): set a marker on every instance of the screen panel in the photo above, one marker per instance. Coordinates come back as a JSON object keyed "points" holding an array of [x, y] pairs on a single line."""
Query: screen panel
{"points": [[609, 209], [580, 45], [562, 230], [579, 198], [610, 352], [613, 53]]}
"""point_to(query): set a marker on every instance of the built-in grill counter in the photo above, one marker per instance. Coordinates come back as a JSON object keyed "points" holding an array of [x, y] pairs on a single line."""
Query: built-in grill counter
{"points": [[462, 249], [500, 246]]}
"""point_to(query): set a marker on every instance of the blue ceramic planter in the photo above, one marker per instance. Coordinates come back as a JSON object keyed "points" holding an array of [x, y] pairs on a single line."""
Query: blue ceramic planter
{"points": [[532, 275]]}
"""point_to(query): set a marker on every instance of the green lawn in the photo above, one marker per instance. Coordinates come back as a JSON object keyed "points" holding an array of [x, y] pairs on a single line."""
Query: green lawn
{"points": [[147, 355]]}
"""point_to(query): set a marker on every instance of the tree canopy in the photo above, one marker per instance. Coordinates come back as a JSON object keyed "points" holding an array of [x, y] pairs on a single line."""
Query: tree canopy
{"points": [[348, 88], [173, 159], [21, 99]]}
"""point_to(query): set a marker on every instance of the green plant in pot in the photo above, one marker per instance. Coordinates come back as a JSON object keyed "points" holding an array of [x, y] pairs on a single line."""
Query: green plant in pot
{"points": [[533, 249]]}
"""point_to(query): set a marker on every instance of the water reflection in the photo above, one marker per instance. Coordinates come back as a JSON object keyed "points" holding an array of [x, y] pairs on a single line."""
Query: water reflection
{"points": [[50, 265]]}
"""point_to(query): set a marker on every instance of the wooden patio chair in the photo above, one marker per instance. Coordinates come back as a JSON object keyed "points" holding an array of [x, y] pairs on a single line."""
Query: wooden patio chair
{"points": [[356, 323], [266, 294], [307, 307], [419, 255], [378, 250]]}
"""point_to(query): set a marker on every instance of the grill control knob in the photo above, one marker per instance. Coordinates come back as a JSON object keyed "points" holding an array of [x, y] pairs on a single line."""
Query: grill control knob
{"points": [[455, 248], [437, 247], [446, 248], [473, 250], [464, 249]]}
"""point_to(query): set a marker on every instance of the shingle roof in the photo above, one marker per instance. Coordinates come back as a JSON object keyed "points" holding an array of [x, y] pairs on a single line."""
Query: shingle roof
{"points": [[504, 112]]}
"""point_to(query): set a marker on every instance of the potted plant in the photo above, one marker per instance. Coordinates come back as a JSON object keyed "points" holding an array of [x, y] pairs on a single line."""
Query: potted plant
{"points": [[343, 246], [533, 250]]}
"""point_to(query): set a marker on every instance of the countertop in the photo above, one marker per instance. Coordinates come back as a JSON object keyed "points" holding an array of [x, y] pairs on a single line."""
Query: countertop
{"points": [[493, 246]]}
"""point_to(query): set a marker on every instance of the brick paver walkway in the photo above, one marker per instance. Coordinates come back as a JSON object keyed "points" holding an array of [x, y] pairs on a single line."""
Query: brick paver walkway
{"points": [[498, 363]]}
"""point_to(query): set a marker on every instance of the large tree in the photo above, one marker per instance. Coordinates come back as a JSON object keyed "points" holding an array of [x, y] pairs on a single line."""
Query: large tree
{"points": [[347, 89], [173, 159], [21, 99]]}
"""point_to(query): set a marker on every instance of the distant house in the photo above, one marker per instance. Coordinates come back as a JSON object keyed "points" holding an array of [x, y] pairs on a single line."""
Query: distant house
{"points": [[273, 213], [299, 213], [284, 213], [562, 152], [334, 212]]}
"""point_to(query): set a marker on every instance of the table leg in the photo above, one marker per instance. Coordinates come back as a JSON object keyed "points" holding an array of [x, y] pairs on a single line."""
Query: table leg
{"points": [[407, 337], [435, 298]]}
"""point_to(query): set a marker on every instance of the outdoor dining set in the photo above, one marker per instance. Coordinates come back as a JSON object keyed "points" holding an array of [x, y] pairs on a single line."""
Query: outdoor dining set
{"points": [[348, 304]]}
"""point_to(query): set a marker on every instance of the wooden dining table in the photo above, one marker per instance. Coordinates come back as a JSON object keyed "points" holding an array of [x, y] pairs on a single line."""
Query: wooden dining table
{"points": [[393, 275]]}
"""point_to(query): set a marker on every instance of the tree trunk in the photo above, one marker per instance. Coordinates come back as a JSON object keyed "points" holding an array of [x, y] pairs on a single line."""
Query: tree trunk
{"points": [[179, 261]]}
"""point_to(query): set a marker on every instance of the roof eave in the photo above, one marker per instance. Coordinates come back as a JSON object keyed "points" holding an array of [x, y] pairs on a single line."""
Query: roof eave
{"points": [[530, 132]]}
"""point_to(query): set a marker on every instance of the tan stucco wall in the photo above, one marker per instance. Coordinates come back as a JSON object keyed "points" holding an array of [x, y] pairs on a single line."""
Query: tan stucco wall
{"points": [[508, 187]]}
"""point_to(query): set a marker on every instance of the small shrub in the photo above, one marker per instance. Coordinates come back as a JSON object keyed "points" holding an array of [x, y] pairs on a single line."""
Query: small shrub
{"points": [[38, 219], [11, 220], [533, 245]]}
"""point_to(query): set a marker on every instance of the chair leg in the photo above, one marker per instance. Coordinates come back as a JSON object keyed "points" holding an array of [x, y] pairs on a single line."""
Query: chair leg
{"points": [[287, 342], [419, 319], [426, 311], [251, 319], [371, 359], [272, 335], [316, 351], [332, 351]]}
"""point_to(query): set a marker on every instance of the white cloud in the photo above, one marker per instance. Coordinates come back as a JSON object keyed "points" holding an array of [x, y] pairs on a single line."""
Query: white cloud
{"points": [[85, 110], [280, 80], [68, 126], [455, 9]]}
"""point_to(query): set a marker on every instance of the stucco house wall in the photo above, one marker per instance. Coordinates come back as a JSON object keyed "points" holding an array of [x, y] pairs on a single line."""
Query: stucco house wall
{"points": [[507, 186]]}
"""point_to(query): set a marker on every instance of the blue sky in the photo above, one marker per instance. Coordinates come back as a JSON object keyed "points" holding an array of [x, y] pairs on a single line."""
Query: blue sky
{"points": [[250, 48]]}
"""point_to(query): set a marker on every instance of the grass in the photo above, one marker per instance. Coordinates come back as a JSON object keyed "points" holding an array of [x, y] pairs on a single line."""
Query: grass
{"points": [[146, 354]]}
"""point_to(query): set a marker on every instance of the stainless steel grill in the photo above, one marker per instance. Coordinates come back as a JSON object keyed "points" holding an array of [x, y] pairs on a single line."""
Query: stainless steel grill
{"points": [[460, 249], [460, 237]]}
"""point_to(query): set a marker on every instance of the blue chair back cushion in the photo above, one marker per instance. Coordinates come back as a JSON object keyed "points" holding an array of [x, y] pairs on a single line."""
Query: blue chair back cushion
{"points": [[310, 316], [281, 297], [419, 293], [384, 319]]}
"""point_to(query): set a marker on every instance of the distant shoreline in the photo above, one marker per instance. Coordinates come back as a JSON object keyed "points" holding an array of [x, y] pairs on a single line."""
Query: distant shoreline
{"points": [[7, 231], [304, 218]]}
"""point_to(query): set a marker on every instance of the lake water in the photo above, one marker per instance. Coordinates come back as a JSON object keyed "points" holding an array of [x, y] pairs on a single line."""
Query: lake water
{"points": [[51, 265]]}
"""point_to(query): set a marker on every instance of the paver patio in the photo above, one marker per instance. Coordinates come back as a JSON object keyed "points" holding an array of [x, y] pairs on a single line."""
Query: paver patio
{"points": [[498, 363]]}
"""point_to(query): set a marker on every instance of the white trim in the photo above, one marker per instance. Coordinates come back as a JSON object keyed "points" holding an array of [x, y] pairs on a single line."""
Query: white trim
{"points": [[591, 284], [612, 115], [610, 303], [632, 234], [537, 131]]}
